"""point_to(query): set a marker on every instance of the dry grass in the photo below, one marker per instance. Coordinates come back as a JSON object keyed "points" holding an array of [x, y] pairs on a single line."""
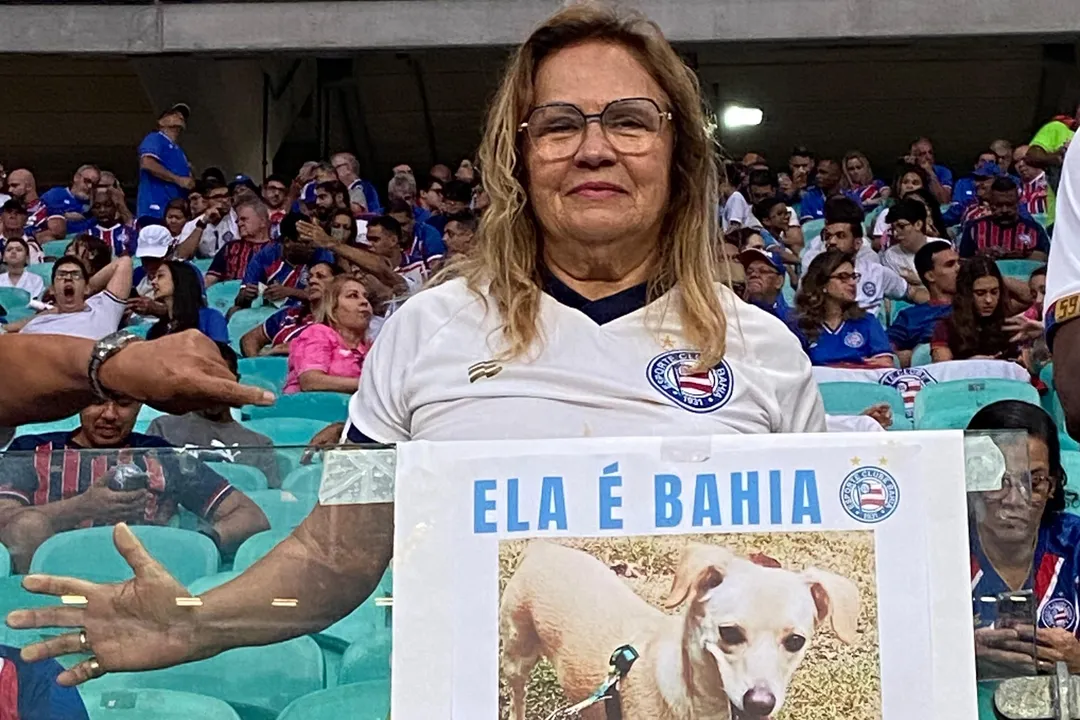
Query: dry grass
{"points": [[834, 682]]}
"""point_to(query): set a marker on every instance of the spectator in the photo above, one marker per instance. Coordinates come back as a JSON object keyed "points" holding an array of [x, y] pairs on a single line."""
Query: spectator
{"points": [[801, 163], [215, 427], [1005, 233], [164, 170], [176, 217], [1034, 188], [1003, 154], [231, 261], [95, 253], [456, 198], [178, 286], [16, 257], [242, 188], [1047, 150], [827, 185], [429, 201], [860, 182], [380, 257], [218, 225], [275, 334], [358, 202], [908, 222], [466, 172], [745, 239], [937, 265], [121, 238], [424, 242], [41, 494], [459, 233], [940, 177], [13, 225], [964, 192], [76, 314], [761, 185], [772, 219], [41, 223], [441, 172], [4, 197], [765, 281], [342, 227], [347, 170], [155, 245], [976, 327], [198, 203], [73, 204], [329, 355], [1029, 329], [979, 207], [283, 266], [275, 193], [908, 179], [835, 330], [402, 188]]}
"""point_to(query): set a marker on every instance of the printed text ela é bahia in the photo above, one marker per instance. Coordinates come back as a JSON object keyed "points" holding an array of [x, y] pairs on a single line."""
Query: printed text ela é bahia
{"points": [[747, 498]]}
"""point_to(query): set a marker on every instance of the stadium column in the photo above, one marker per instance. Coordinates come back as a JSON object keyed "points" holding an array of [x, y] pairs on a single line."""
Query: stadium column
{"points": [[241, 108]]}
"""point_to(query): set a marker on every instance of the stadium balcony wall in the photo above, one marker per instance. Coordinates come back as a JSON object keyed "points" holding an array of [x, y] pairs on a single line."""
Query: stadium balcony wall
{"points": [[184, 27]]}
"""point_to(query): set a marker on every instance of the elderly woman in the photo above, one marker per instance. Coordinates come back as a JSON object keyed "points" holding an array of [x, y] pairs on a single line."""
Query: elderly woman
{"points": [[329, 354], [594, 270]]}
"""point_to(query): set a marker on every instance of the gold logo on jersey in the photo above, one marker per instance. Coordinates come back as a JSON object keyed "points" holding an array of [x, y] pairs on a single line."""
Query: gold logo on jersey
{"points": [[486, 369]]}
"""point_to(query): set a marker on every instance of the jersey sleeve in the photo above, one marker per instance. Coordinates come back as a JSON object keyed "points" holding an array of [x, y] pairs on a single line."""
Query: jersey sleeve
{"points": [[967, 245], [899, 333], [195, 485], [219, 266], [878, 342], [255, 271], [153, 145], [1051, 136], [433, 245], [881, 223], [214, 326], [111, 307], [941, 336], [312, 350], [1063, 273], [273, 324]]}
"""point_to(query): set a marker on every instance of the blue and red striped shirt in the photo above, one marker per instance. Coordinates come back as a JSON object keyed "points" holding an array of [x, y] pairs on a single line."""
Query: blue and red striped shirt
{"points": [[122, 238], [1017, 240]]}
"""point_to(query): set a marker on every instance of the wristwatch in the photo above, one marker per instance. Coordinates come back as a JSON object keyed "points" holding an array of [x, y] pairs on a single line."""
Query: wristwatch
{"points": [[104, 349]]}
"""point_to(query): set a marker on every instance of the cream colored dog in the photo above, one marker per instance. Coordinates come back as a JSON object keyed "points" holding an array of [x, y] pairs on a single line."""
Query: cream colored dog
{"points": [[732, 653]]}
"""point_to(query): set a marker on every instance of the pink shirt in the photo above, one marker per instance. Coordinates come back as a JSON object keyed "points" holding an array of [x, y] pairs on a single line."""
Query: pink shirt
{"points": [[320, 347]]}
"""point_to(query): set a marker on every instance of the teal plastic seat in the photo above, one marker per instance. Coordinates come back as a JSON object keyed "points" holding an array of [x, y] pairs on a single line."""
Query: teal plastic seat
{"points": [[328, 407], [244, 320], [274, 368], [143, 704], [242, 477], [921, 355], [852, 398], [17, 314], [209, 582], [203, 264], [64, 425], [287, 430], [1020, 269], [358, 701], [251, 679], [1070, 462], [55, 248], [1041, 218], [14, 597], [13, 298], [43, 271], [1052, 405], [951, 405], [284, 510], [89, 553], [222, 295], [811, 229], [895, 306], [304, 479], [5, 562], [257, 546]]}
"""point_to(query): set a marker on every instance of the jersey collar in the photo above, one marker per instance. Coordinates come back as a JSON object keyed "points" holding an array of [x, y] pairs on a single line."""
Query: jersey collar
{"points": [[600, 311]]}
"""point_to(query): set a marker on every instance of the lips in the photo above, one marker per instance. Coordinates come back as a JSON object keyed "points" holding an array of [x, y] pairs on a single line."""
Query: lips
{"points": [[598, 190]]}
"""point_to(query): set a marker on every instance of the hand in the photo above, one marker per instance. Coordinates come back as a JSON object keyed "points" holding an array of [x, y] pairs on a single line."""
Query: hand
{"points": [[147, 306], [104, 505], [799, 177], [178, 374], [1052, 645], [912, 278], [886, 192], [1023, 328], [187, 183], [134, 625], [213, 215], [882, 413], [1003, 649], [785, 184], [316, 235], [993, 251], [247, 295], [276, 292], [329, 436]]}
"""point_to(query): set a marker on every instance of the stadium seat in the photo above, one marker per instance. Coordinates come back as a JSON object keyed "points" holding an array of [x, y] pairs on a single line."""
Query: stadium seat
{"points": [[951, 405], [328, 407], [274, 368], [203, 264], [149, 704], [209, 582], [55, 248], [17, 314], [13, 597], [1070, 462], [284, 510], [5, 562], [1019, 269], [65, 425], [13, 298], [256, 681], [358, 701], [244, 320], [1052, 404], [287, 430], [811, 229], [895, 306], [140, 329], [304, 479], [1041, 218], [42, 270], [89, 553], [852, 398], [921, 355], [222, 295], [256, 547], [242, 477]]}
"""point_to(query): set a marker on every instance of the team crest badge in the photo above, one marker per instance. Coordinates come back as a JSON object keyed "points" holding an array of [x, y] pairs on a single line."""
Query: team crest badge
{"points": [[869, 494], [908, 382], [869, 289], [1026, 239], [673, 374], [854, 340], [1058, 613]]}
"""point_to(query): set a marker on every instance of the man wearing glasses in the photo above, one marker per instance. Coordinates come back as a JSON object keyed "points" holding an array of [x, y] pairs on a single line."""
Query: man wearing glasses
{"points": [[75, 314], [164, 170]]}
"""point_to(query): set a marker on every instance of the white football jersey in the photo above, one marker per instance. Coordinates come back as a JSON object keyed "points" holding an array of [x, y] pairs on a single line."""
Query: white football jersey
{"points": [[1063, 269], [433, 374]]}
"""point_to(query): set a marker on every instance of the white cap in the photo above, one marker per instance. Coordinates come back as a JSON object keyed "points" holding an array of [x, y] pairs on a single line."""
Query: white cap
{"points": [[155, 241]]}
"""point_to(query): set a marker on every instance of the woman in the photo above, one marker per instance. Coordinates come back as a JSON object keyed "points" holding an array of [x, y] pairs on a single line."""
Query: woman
{"points": [[908, 179], [859, 180], [16, 257], [329, 354], [178, 286], [274, 335], [976, 328], [176, 217], [595, 264], [343, 227], [835, 330], [1022, 538]]}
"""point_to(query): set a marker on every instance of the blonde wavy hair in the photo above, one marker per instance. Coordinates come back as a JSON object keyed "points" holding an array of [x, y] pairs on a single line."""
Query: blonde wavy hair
{"points": [[506, 252], [326, 313]]}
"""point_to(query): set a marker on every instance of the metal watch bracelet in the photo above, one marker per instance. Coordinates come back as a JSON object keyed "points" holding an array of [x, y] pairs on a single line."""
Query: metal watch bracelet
{"points": [[104, 349]]}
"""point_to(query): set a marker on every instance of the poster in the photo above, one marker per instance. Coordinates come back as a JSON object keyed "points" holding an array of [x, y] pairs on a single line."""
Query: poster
{"points": [[812, 577]]}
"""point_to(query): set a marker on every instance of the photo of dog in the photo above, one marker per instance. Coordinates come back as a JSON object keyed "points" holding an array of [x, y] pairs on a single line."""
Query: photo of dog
{"points": [[736, 626]]}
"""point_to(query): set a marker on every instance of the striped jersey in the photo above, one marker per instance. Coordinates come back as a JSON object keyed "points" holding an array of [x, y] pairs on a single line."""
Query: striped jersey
{"points": [[37, 217], [1017, 240], [121, 238]]}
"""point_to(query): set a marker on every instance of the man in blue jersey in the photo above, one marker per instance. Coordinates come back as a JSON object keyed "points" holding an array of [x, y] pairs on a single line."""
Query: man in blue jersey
{"points": [[422, 243], [74, 202], [827, 184], [164, 170], [765, 281], [283, 266], [940, 177], [937, 264]]}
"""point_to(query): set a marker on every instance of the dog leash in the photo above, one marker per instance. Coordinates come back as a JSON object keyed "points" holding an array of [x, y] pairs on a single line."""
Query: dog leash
{"points": [[618, 667]]}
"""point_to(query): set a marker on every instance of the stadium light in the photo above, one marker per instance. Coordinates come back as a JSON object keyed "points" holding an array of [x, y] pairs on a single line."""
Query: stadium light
{"points": [[736, 116]]}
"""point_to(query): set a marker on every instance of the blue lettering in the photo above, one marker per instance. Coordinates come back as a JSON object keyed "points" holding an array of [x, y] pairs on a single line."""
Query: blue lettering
{"points": [[744, 496], [776, 512], [666, 489], [552, 504], [608, 500], [806, 498], [706, 500], [513, 523], [482, 505]]}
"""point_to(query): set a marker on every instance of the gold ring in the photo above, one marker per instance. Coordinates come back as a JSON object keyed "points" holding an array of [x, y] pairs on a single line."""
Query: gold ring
{"points": [[84, 643], [94, 665]]}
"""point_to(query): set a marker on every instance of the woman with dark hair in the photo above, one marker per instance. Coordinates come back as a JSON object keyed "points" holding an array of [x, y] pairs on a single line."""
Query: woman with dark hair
{"points": [[976, 328], [178, 286], [835, 330], [908, 179], [343, 227], [1021, 538]]}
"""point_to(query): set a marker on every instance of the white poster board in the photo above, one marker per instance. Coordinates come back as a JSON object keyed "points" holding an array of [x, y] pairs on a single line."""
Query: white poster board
{"points": [[827, 574]]}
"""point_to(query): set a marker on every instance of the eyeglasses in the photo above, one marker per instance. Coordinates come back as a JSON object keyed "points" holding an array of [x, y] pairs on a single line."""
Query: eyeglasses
{"points": [[68, 275], [846, 277], [1041, 485], [631, 125]]}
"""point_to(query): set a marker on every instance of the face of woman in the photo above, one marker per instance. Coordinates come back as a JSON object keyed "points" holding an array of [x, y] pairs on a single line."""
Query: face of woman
{"points": [[175, 220], [1012, 514], [353, 308], [598, 195], [341, 226], [15, 255], [909, 183], [1037, 285], [842, 284], [987, 292], [857, 171], [318, 276], [756, 241], [162, 283]]}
